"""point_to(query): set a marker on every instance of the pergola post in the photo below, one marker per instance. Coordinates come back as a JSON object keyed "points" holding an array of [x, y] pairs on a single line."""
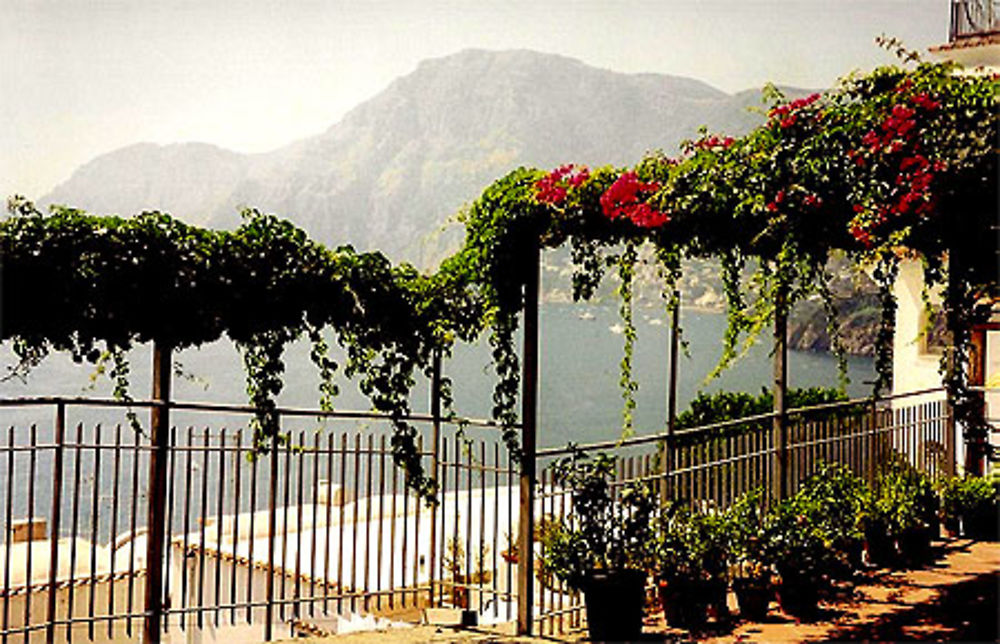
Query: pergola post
{"points": [[780, 389], [159, 438], [667, 455], [529, 400]]}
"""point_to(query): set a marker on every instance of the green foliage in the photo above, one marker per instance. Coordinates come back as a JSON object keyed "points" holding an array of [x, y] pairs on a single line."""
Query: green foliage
{"points": [[709, 409], [832, 499], [601, 532], [96, 286], [902, 499], [961, 495], [693, 546]]}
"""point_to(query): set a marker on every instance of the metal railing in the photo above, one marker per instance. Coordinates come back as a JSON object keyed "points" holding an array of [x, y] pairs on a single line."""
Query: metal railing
{"points": [[323, 526], [974, 18], [711, 466]]}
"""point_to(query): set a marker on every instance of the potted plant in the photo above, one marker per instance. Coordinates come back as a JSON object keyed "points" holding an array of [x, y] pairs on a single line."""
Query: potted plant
{"points": [[691, 569], [980, 516], [604, 548], [832, 499], [750, 570], [800, 556], [901, 516], [970, 503]]}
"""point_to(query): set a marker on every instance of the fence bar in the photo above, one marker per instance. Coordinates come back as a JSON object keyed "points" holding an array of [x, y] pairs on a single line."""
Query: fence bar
{"points": [[272, 500], [529, 393], [435, 464]]}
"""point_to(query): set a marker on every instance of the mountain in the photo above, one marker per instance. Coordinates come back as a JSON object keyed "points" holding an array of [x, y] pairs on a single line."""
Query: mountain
{"points": [[393, 170]]}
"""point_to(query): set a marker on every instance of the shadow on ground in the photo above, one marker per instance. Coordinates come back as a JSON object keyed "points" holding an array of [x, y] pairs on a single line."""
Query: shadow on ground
{"points": [[965, 612]]}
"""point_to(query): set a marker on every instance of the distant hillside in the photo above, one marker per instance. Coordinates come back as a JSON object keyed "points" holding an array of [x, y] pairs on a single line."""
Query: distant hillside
{"points": [[395, 168]]}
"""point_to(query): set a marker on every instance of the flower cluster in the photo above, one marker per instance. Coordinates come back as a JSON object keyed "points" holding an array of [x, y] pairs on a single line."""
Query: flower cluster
{"points": [[622, 200], [555, 186], [895, 142], [787, 114], [785, 197], [713, 143]]}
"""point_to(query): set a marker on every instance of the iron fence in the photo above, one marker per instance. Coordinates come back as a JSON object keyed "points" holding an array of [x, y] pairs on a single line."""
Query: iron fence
{"points": [[323, 526], [713, 465]]}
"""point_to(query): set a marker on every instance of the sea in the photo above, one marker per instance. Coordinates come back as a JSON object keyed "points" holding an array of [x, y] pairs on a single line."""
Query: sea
{"points": [[581, 348]]}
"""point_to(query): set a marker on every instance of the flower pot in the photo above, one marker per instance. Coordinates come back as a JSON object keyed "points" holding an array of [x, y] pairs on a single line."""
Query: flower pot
{"points": [[915, 545], [754, 597], [981, 523], [685, 603], [881, 547], [614, 600], [849, 558], [799, 596]]}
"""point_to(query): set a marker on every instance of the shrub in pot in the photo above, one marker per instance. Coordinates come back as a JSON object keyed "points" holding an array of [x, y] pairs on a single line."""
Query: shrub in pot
{"points": [[800, 557], [901, 516], [969, 504], [691, 565], [832, 500], [604, 548]]}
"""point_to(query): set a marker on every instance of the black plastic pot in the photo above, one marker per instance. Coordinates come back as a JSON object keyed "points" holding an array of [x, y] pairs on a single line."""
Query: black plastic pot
{"points": [[685, 603], [615, 600], [753, 597], [915, 545], [982, 523], [799, 596], [881, 547]]}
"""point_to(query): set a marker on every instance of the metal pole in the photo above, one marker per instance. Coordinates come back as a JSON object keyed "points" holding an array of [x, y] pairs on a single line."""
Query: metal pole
{"points": [[57, 477], [668, 444], [272, 501], [780, 422], [435, 461], [159, 438], [529, 399]]}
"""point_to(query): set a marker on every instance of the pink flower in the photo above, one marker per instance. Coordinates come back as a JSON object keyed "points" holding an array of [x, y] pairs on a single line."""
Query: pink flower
{"points": [[554, 187]]}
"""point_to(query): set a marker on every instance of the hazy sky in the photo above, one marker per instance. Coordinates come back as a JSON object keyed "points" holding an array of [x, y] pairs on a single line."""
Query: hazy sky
{"points": [[79, 78]]}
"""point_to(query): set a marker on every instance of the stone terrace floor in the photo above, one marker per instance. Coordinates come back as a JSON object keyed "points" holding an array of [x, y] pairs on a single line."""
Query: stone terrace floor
{"points": [[953, 599]]}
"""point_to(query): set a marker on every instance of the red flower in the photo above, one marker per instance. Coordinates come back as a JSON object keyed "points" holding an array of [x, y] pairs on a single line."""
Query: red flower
{"points": [[554, 187], [621, 200], [926, 102]]}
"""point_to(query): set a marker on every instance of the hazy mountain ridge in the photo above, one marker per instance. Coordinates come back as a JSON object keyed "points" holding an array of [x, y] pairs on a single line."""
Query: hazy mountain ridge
{"points": [[393, 170]]}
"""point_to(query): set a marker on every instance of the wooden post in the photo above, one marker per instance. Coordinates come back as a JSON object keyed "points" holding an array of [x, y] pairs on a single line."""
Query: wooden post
{"points": [[529, 399], [159, 438], [435, 461], [668, 444], [780, 388]]}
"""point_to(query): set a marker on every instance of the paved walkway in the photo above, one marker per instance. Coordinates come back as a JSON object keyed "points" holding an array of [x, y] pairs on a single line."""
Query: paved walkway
{"points": [[954, 599]]}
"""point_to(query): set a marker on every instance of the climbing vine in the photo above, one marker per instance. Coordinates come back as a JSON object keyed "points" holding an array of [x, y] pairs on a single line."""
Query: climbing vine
{"points": [[898, 163]]}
